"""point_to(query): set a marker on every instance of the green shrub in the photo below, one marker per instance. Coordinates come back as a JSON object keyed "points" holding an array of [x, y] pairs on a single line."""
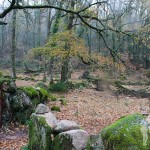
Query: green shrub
{"points": [[64, 87], [81, 85], [77, 85], [59, 87], [55, 108]]}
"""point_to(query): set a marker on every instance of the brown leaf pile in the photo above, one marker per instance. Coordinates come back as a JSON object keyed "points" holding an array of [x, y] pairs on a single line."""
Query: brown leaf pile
{"points": [[95, 110], [15, 144], [13, 137]]}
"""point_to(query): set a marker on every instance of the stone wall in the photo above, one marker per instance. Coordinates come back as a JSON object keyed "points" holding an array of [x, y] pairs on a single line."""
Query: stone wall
{"points": [[48, 133]]}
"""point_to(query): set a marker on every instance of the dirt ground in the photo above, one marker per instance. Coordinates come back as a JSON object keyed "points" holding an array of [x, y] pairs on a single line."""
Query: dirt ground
{"points": [[92, 109]]}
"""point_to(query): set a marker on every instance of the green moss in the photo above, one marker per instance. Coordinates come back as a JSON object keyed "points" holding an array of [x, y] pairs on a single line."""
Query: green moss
{"points": [[95, 143], [36, 101], [3, 79], [23, 115], [63, 101], [42, 93], [30, 91], [38, 94], [1, 74], [20, 111], [62, 142], [55, 108], [62, 96], [125, 134], [25, 147], [53, 98], [39, 134]]}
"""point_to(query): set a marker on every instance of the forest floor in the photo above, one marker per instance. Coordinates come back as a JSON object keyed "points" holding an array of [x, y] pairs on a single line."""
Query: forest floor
{"points": [[92, 109]]}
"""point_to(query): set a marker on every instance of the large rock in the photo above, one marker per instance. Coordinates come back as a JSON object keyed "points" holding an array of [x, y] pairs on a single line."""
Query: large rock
{"points": [[66, 125], [41, 109], [40, 131], [71, 140], [19, 105], [128, 133], [19, 100], [95, 143]]}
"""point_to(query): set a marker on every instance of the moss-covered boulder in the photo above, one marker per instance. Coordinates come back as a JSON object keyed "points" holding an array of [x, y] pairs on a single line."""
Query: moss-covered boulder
{"points": [[40, 131], [43, 93], [19, 100], [42, 109], [37, 94], [128, 133], [19, 105], [71, 140], [95, 143], [66, 125]]}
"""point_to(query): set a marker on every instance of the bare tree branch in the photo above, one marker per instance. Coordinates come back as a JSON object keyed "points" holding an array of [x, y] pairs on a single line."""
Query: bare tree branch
{"points": [[6, 11], [97, 3]]}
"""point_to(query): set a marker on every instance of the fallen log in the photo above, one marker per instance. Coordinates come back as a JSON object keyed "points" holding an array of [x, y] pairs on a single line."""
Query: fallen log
{"points": [[137, 93]]}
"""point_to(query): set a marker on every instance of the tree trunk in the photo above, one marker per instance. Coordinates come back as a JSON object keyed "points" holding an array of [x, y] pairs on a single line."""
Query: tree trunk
{"points": [[54, 30], [44, 67], [2, 41], [1, 103], [13, 57], [65, 70], [51, 67], [39, 29], [65, 64]]}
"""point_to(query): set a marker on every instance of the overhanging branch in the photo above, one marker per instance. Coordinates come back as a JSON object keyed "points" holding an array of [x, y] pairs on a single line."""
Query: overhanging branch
{"points": [[6, 11]]}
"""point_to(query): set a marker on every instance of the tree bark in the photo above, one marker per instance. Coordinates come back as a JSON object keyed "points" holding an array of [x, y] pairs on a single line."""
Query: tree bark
{"points": [[65, 64], [13, 52], [1, 103]]}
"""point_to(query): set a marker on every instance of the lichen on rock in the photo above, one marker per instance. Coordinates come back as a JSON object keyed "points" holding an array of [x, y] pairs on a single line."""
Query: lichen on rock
{"points": [[66, 125], [40, 130], [41, 109], [71, 140]]}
